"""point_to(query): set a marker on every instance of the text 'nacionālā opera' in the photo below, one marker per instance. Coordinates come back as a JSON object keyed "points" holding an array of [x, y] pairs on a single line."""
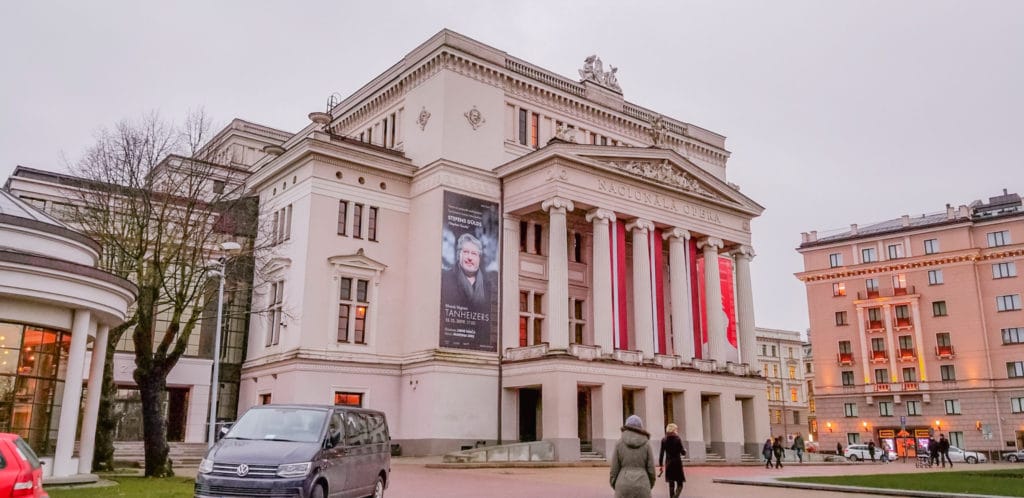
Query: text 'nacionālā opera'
{"points": [[474, 245]]}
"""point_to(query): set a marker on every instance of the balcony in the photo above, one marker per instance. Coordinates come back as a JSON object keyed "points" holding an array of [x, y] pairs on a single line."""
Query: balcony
{"points": [[875, 294], [874, 326], [903, 291], [881, 388], [908, 354], [879, 357], [902, 324], [944, 352], [910, 386], [844, 359]]}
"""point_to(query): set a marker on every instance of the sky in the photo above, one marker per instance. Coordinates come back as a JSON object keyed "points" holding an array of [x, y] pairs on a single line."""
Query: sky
{"points": [[835, 112]]}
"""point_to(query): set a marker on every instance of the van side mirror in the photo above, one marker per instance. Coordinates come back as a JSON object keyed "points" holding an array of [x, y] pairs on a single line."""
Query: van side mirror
{"points": [[222, 432]]}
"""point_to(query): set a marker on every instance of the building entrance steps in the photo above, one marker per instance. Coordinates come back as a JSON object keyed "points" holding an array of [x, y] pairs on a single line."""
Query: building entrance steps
{"points": [[536, 451]]}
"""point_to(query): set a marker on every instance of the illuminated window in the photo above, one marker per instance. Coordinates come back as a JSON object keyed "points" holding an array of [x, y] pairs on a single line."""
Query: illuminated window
{"points": [[899, 281], [531, 317], [534, 130], [348, 399], [778, 416], [792, 371], [793, 394], [778, 392], [353, 307], [839, 289]]}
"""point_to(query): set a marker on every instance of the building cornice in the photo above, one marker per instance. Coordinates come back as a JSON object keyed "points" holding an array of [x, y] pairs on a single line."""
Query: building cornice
{"points": [[972, 256]]}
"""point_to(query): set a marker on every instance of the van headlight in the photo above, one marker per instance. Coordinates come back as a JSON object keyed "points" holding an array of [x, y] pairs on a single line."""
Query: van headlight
{"points": [[293, 469], [206, 466]]}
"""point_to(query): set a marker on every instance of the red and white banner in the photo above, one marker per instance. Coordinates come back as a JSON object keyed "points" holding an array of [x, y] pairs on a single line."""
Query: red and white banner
{"points": [[725, 273], [620, 318]]}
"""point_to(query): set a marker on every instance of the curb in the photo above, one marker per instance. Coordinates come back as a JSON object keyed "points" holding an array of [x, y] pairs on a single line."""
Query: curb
{"points": [[850, 489]]}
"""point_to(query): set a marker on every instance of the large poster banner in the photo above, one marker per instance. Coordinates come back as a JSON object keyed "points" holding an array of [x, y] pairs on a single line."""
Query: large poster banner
{"points": [[469, 278], [725, 273]]}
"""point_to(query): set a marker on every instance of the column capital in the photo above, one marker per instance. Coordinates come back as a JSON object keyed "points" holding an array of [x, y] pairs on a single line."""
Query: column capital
{"points": [[640, 224], [744, 251], [676, 233], [714, 242], [557, 203], [600, 214]]}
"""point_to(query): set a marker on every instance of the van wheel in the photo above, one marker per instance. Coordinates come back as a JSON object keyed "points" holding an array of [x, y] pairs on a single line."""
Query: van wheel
{"points": [[318, 491], [378, 488]]}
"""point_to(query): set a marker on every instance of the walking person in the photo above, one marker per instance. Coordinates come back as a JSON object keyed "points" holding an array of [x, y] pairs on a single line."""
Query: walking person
{"points": [[944, 451], [632, 472], [766, 451], [778, 452], [933, 452], [670, 460], [839, 448], [798, 447], [871, 450]]}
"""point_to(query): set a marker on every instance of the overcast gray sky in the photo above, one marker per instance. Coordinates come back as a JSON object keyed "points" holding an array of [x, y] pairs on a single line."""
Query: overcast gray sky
{"points": [[835, 112]]}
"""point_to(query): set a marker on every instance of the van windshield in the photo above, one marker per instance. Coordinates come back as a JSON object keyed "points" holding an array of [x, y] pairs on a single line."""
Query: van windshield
{"points": [[280, 424]]}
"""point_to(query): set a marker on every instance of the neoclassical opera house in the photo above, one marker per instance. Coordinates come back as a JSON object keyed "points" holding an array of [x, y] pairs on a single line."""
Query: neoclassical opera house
{"points": [[54, 303], [487, 250]]}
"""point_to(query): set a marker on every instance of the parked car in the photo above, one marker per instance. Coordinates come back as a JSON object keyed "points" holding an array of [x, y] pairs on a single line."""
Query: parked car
{"points": [[1014, 456], [858, 452], [20, 468], [306, 451], [959, 455]]}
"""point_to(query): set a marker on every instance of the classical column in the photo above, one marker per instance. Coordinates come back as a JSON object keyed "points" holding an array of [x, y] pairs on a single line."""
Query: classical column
{"points": [[601, 268], [745, 306], [682, 304], [72, 398], [643, 316], [92, 400], [510, 284], [558, 273], [713, 314]]}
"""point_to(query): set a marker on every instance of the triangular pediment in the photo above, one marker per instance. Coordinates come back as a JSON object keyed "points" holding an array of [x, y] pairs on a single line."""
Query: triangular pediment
{"points": [[357, 260]]}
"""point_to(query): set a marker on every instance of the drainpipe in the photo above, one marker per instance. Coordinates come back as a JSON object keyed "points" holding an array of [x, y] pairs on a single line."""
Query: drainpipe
{"points": [[501, 296]]}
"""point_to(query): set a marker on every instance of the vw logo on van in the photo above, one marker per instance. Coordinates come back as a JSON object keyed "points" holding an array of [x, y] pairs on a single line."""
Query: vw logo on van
{"points": [[243, 470]]}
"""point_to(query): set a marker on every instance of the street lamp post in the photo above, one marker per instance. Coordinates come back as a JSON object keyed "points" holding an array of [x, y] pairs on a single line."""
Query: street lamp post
{"points": [[221, 264]]}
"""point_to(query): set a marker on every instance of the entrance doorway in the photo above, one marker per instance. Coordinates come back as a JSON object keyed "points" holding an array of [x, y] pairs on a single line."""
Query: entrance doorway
{"points": [[584, 418], [177, 407], [529, 414]]}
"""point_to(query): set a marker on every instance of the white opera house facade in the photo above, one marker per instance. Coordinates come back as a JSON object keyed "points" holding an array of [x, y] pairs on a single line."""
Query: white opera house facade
{"points": [[486, 250]]}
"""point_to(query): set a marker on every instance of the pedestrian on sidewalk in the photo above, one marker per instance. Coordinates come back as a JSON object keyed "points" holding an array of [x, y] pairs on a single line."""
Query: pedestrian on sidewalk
{"points": [[778, 452], [798, 447], [766, 451], [933, 452], [632, 472], [670, 460], [839, 449], [871, 450], [944, 451]]}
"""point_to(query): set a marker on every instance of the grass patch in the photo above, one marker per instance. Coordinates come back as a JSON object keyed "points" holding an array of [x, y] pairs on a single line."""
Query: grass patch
{"points": [[1008, 482], [165, 487]]}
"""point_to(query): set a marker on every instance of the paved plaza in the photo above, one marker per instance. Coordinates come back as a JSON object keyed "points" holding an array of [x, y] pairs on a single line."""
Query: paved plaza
{"points": [[411, 478]]}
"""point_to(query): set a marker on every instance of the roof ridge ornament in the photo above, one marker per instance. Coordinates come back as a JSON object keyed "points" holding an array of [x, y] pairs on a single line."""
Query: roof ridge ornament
{"points": [[593, 70]]}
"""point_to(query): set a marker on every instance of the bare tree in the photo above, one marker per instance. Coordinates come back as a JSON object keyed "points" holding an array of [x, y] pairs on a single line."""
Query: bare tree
{"points": [[159, 209]]}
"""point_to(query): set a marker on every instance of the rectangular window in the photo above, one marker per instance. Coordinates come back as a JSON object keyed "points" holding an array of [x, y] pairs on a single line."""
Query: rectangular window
{"points": [[394, 127], [881, 376], [538, 233], [956, 438], [841, 318], [906, 342], [778, 416], [282, 229], [577, 247], [850, 409], [1017, 405], [942, 339], [909, 374], [794, 396], [877, 344], [852, 438], [934, 277], [792, 371], [868, 255], [357, 221], [523, 231], [875, 317], [1013, 335], [534, 130], [577, 322], [342, 216], [996, 239], [531, 318], [1015, 369], [885, 408], [871, 285], [931, 246], [353, 306], [895, 251], [348, 399], [265, 399], [845, 347], [1004, 270], [371, 228], [952, 407], [1008, 303], [902, 312], [899, 282], [835, 260], [913, 408], [523, 115], [938, 308], [275, 313], [947, 373], [847, 378], [839, 289]]}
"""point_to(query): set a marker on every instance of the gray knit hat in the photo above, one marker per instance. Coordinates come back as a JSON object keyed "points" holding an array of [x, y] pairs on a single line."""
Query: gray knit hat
{"points": [[634, 422]]}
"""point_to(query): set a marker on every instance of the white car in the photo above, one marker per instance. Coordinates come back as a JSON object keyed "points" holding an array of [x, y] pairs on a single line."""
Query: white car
{"points": [[959, 455], [858, 452], [1016, 456]]}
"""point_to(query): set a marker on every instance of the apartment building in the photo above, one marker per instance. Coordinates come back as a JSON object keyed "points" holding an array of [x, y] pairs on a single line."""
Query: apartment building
{"points": [[918, 328], [780, 356]]}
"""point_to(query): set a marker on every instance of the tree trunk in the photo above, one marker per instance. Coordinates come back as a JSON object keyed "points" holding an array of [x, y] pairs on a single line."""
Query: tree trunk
{"points": [[103, 457], [152, 386]]}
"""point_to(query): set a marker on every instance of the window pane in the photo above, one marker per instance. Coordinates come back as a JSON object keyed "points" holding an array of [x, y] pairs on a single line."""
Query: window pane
{"points": [[343, 312], [360, 325], [346, 289], [361, 286]]}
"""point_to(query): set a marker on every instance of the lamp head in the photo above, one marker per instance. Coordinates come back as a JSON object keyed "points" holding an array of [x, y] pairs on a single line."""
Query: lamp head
{"points": [[230, 248]]}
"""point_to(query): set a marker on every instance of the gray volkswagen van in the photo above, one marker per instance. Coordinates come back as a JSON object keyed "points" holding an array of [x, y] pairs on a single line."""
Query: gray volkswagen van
{"points": [[304, 451]]}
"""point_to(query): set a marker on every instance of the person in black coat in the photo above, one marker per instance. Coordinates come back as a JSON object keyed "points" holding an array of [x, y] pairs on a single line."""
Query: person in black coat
{"points": [[670, 460]]}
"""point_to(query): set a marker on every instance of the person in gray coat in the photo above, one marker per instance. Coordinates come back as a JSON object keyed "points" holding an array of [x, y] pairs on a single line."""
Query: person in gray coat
{"points": [[632, 473]]}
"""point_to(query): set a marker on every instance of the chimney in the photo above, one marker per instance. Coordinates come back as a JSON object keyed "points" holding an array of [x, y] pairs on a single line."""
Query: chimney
{"points": [[965, 212], [950, 212], [813, 236], [905, 220], [853, 228], [803, 236]]}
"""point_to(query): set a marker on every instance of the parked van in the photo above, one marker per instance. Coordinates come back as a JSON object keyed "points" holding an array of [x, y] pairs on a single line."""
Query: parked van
{"points": [[305, 451]]}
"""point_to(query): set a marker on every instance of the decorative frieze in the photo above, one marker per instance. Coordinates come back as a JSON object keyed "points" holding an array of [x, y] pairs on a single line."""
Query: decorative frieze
{"points": [[664, 173]]}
